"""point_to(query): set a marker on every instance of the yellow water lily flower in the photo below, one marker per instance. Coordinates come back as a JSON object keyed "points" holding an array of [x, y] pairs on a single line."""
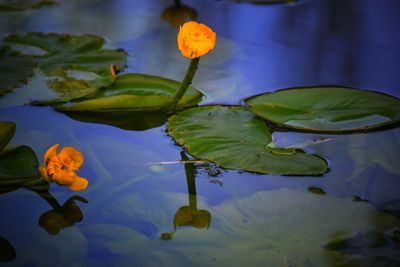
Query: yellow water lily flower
{"points": [[61, 167], [195, 39]]}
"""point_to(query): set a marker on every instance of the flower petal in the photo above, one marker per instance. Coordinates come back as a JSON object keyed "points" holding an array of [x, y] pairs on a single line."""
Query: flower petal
{"points": [[52, 151], [64, 178], [74, 154], [43, 172], [79, 184]]}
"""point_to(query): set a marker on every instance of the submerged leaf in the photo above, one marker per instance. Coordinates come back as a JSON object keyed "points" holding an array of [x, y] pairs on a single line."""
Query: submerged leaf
{"points": [[327, 109], [7, 251], [235, 138], [21, 5], [80, 53], [15, 69], [134, 92]]}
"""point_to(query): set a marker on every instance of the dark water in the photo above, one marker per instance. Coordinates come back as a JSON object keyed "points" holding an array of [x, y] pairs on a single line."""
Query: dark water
{"points": [[254, 220]]}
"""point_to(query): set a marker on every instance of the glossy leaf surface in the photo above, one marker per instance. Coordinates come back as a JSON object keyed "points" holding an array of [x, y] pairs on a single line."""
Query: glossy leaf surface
{"points": [[235, 138], [135, 92], [327, 109]]}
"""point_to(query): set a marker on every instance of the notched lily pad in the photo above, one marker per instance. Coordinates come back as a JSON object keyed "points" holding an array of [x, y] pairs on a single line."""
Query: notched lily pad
{"points": [[22, 5], [15, 69], [327, 109], [235, 138], [134, 92]]}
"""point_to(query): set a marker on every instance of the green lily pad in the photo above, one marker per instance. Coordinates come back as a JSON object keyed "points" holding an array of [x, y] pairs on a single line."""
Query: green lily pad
{"points": [[21, 5], [327, 109], [80, 53], [19, 167], [134, 92], [235, 138], [7, 130], [15, 69]]}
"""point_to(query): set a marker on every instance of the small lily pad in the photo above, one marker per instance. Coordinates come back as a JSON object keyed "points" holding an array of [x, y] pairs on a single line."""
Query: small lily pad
{"points": [[22, 5], [134, 92], [235, 138], [327, 109], [15, 69]]}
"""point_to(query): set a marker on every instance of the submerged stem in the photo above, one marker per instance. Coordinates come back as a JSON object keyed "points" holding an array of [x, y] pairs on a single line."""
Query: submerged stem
{"points": [[187, 80]]}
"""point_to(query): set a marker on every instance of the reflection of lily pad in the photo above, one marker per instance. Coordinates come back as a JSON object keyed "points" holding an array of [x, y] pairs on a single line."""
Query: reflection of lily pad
{"points": [[65, 52], [135, 121], [327, 109], [235, 138], [135, 92], [21, 5], [15, 69], [267, 228]]}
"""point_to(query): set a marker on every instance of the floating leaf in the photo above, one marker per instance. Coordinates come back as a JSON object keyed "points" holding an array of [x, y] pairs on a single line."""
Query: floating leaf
{"points": [[134, 92], [235, 138], [15, 69], [66, 53], [21, 5], [7, 130], [19, 167], [327, 109], [71, 52]]}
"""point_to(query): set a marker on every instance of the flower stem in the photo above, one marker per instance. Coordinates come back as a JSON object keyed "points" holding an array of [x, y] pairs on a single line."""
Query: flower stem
{"points": [[187, 80]]}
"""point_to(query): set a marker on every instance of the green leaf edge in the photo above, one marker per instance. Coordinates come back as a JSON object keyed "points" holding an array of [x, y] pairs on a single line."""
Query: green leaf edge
{"points": [[376, 127]]}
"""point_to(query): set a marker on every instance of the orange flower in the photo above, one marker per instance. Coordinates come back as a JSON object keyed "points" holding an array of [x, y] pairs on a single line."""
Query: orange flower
{"points": [[61, 167], [195, 39]]}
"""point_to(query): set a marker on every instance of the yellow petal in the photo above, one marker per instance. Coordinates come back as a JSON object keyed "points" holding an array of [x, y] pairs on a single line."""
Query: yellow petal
{"points": [[79, 184], [43, 172], [74, 154], [64, 178], [195, 39], [52, 151]]}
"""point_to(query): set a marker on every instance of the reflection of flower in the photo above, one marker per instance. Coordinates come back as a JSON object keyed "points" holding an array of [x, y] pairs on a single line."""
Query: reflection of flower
{"points": [[178, 14], [195, 39], [187, 216], [61, 217], [61, 168]]}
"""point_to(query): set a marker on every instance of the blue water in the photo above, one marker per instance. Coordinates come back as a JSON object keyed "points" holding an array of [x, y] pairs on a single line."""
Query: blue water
{"points": [[256, 220]]}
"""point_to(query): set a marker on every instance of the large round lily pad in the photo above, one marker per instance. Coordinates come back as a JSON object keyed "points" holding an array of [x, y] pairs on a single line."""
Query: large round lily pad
{"points": [[235, 138], [15, 69], [134, 92], [327, 109]]}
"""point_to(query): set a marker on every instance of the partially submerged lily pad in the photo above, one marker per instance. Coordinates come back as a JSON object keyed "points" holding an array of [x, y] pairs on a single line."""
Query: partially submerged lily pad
{"points": [[7, 130], [15, 69], [235, 138], [327, 109], [134, 92], [65, 53], [22, 5]]}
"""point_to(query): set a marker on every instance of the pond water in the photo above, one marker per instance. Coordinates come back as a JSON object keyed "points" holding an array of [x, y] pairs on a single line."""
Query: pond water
{"points": [[139, 189]]}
